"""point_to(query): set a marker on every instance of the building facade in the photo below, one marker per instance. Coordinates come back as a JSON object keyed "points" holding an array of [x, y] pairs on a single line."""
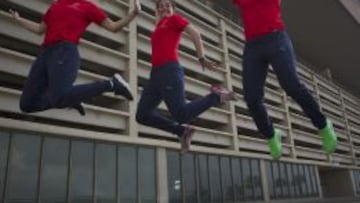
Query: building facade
{"points": [[106, 157]]}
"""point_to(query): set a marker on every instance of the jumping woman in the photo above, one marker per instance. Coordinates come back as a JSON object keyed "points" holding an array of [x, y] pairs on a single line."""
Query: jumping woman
{"points": [[167, 78], [50, 81]]}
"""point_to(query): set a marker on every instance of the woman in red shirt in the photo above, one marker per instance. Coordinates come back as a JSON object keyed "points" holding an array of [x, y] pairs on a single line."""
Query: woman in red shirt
{"points": [[267, 43], [51, 78], [167, 78]]}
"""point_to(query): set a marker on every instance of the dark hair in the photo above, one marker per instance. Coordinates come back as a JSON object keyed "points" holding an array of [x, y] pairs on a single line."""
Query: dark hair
{"points": [[158, 2]]}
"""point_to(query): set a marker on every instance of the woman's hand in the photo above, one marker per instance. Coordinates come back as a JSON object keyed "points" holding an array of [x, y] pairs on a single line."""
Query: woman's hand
{"points": [[38, 28], [137, 6], [206, 63], [15, 14]]}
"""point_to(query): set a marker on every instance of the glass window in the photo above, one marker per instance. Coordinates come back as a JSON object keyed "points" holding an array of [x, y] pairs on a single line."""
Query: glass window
{"points": [[105, 173], [54, 174], [357, 174], [204, 191], [227, 186], [127, 170], [308, 180], [277, 179], [314, 181], [270, 180], [82, 171], [256, 179], [296, 180], [174, 179], [302, 180], [147, 175], [284, 181], [237, 179], [291, 181], [4, 148], [188, 171], [215, 183], [248, 190], [24, 169]]}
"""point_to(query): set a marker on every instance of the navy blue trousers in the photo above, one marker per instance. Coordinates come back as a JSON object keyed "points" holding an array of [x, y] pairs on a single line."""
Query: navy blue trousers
{"points": [[274, 49], [166, 83], [51, 78]]}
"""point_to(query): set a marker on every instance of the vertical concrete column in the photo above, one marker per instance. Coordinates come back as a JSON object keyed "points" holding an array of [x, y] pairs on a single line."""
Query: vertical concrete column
{"points": [[133, 81], [317, 93], [161, 174], [347, 125], [264, 181], [291, 137], [318, 181], [232, 124]]}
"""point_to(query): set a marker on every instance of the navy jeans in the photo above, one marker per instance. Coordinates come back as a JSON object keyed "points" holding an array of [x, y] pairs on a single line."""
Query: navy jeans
{"points": [[275, 49], [167, 83], [51, 78]]}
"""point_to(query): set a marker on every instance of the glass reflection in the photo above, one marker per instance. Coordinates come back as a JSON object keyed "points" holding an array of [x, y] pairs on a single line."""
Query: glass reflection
{"points": [[54, 175], [4, 148], [147, 175], [127, 170], [23, 169], [105, 177], [82, 163]]}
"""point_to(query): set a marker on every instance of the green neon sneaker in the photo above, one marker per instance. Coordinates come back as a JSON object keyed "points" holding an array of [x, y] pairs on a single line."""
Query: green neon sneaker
{"points": [[328, 137], [275, 145]]}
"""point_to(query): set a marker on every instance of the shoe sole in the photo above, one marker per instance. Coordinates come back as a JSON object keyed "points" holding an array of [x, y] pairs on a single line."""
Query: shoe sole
{"points": [[123, 82]]}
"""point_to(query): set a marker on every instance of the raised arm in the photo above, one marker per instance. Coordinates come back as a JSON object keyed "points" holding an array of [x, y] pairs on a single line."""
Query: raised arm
{"points": [[38, 28], [115, 26], [196, 38]]}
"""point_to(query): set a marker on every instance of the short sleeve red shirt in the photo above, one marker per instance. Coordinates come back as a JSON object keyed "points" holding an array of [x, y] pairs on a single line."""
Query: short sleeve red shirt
{"points": [[165, 39], [67, 20], [260, 17]]}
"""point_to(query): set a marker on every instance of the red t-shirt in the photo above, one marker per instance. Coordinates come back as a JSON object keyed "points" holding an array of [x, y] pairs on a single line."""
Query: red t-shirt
{"points": [[165, 39], [260, 17], [67, 20]]}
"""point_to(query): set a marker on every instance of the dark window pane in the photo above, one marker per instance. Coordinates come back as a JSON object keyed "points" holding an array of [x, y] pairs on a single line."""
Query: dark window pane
{"points": [[269, 174], [354, 173], [284, 181], [54, 173], [82, 163], [105, 177], [215, 184], [147, 175], [358, 181], [297, 179], [4, 148], [204, 191], [245, 163], [277, 179], [302, 180], [188, 170], [357, 174], [290, 176], [308, 180], [314, 181], [227, 187], [256, 179], [24, 168], [127, 179], [237, 179], [173, 165]]}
